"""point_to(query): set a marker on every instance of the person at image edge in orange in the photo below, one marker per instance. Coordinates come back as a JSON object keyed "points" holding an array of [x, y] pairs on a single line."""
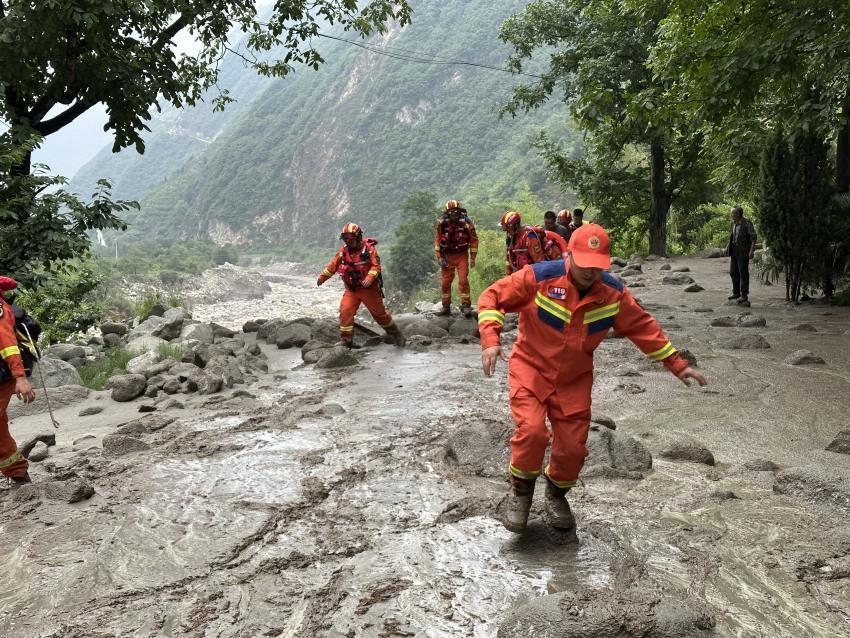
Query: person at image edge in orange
{"points": [[528, 244], [359, 267], [566, 308], [455, 248], [12, 464]]}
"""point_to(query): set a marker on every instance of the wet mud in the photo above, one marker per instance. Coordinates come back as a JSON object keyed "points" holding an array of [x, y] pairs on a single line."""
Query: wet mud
{"points": [[365, 501]]}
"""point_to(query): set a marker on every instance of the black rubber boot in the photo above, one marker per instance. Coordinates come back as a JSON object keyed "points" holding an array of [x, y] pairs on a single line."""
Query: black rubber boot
{"points": [[518, 505], [446, 311], [557, 508]]}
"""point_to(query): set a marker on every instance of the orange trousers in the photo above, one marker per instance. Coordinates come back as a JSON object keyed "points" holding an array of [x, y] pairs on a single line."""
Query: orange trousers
{"points": [[351, 300], [459, 262], [568, 410], [11, 461]]}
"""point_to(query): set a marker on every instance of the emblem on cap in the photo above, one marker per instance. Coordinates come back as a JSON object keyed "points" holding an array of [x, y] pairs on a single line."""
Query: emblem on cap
{"points": [[593, 242]]}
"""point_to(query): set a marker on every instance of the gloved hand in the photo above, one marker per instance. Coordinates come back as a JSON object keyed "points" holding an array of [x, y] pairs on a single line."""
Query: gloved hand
{"points": [[444, 263], [366, 282], [320, 281]]}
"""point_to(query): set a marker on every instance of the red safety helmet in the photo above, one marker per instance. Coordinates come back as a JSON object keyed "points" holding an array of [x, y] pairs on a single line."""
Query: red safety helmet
{"points": [[453, 204], [564, 216], [510, 220], [7, 283], [351, 229]]}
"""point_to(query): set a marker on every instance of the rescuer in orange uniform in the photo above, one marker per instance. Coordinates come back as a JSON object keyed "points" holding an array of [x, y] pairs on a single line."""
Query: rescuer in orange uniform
{"points": [[13, 380], [359, 267], [566, 308], [528, 244], [455, 248]]}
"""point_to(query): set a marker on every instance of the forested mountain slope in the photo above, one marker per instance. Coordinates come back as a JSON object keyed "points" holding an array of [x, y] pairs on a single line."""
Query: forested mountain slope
{"points": [[351, 139]]}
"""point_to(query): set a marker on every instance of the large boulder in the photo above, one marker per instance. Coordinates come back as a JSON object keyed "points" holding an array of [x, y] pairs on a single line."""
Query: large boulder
{"points": [[145, 343], [227, 369], [841, 443], [113, 327], [688, 451], [424, 328], [614, 453], [746, 342], [337, 357], [65, 351], [172, 325], [126, 387], [115, 445], [138, 365], [677, 279], [292, 335], [202, 332], [803, 357], [204, 383], [56, 372], [59, 397], [146, 327]]}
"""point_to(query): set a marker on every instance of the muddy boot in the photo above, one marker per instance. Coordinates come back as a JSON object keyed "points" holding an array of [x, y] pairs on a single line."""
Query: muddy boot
{"points": [[557, 508], [466, 310], [21, 480], [395, 333], [518, 505], [345, 343], [446, 311]]}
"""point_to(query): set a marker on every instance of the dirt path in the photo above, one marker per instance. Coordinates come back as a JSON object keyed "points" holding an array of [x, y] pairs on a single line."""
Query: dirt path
{"points": [[346, 503]]}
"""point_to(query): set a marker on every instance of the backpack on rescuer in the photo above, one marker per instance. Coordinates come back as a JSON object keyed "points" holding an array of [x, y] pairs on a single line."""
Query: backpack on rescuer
{"points": [[354, 268], [27, 330]]}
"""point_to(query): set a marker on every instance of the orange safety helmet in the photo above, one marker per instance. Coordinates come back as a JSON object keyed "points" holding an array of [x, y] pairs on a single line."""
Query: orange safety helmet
{"points": [[510, 219], [452, 204], [351, 229], [563, 216]]}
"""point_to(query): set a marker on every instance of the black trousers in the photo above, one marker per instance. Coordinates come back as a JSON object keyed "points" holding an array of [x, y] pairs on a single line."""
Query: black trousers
{"points": [[739, 271]]}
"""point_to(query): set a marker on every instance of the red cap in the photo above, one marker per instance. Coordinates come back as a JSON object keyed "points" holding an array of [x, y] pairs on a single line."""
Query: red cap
{"points": [[7, 283], [590, 247]]}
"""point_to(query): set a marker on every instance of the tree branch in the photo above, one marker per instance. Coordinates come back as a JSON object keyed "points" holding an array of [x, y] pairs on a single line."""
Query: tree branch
{"points": [[170, 31], [63, 119]]}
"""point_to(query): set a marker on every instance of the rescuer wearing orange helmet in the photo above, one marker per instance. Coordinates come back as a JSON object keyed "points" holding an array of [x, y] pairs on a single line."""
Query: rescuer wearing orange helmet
{"points": [[13, 380], [455, 248], [566, 308], [359, 267], [528, 244]]}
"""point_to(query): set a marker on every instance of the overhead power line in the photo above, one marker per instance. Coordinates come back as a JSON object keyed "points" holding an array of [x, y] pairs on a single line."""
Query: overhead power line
{"points": [[412, 56]]}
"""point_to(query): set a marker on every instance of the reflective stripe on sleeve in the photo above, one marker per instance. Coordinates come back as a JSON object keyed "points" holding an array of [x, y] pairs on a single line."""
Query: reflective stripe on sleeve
{"points": [[8, 352], [602, 313], [12, 459], [662, 353], [347, 328], [491, 315]]}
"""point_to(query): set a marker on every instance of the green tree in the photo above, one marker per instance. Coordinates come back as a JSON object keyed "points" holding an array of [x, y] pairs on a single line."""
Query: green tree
{"points": [[60, 58], [639, 156], [411, 259]]}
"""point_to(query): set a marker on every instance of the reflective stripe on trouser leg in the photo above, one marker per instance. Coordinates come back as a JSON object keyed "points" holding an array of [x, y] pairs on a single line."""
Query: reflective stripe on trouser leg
{"points": [[462, 265], [530, 437], [348, 306], [569, 414], [11, 461]]}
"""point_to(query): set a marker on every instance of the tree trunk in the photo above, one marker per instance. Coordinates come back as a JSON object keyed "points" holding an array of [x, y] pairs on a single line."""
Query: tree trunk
{"points": [[23, 168], [660, 201], [842, 148]]}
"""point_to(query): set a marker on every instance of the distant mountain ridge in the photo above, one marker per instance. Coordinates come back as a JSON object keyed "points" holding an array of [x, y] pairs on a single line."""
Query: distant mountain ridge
{"points": [[297, 157]]}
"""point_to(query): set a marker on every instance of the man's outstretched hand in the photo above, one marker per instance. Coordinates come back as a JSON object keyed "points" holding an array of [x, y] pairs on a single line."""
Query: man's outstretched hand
{"points": [[489, 357], [689, 373]]}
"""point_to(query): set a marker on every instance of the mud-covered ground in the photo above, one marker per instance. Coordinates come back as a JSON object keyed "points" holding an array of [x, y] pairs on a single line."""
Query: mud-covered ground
{"points": [[364, 501]]}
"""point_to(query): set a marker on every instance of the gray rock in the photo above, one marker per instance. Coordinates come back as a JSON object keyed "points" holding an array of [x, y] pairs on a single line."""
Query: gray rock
{"points": [[614, 450], [198, 332], [172, 404], [688, 451], [138, 365], [463, 327], [90, 410], [293, 335], [803, 327], [85, 442], [619, 261], [681, 269], [227, 369], [724, 322], [59, 397], [751, 321], [221, 332], [761, 465], [145, 424], [145, 343], [626, 371], [746, 342], [815, 483], [694, 288], [47, 438], [111, 340], [115, 445], [631, 271], [171, 385], [665, 267], [113, 327], [424, 328], [203, 383], [56, 373], [677, 279], [712, 253], [156, 310], [603, 419], [146, 327], [172, 325], [251, 326], [159, 368], [337, 357], [77, 362], [70, 491], [39, 452], [183, 370], [269, 328], [314, 355], [65, 351], [126, 387], [841, 443], [803, 357]]}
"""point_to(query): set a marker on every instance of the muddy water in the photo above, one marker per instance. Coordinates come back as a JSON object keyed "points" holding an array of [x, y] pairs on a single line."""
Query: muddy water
{"points": [[325, 508]]}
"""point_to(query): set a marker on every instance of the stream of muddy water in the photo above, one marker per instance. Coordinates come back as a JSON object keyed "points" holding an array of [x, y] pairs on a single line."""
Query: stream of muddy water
{"points": [[327, 506]]}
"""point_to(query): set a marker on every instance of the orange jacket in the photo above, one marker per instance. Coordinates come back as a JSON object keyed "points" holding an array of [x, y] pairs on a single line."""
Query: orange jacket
{"points": [[356, 267], [9, 341], [532, 244], [558, 332], [451, 237]]}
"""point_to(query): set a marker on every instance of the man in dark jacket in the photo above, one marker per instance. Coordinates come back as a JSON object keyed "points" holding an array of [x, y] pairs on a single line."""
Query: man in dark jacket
{"points": [[741, 247]]}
